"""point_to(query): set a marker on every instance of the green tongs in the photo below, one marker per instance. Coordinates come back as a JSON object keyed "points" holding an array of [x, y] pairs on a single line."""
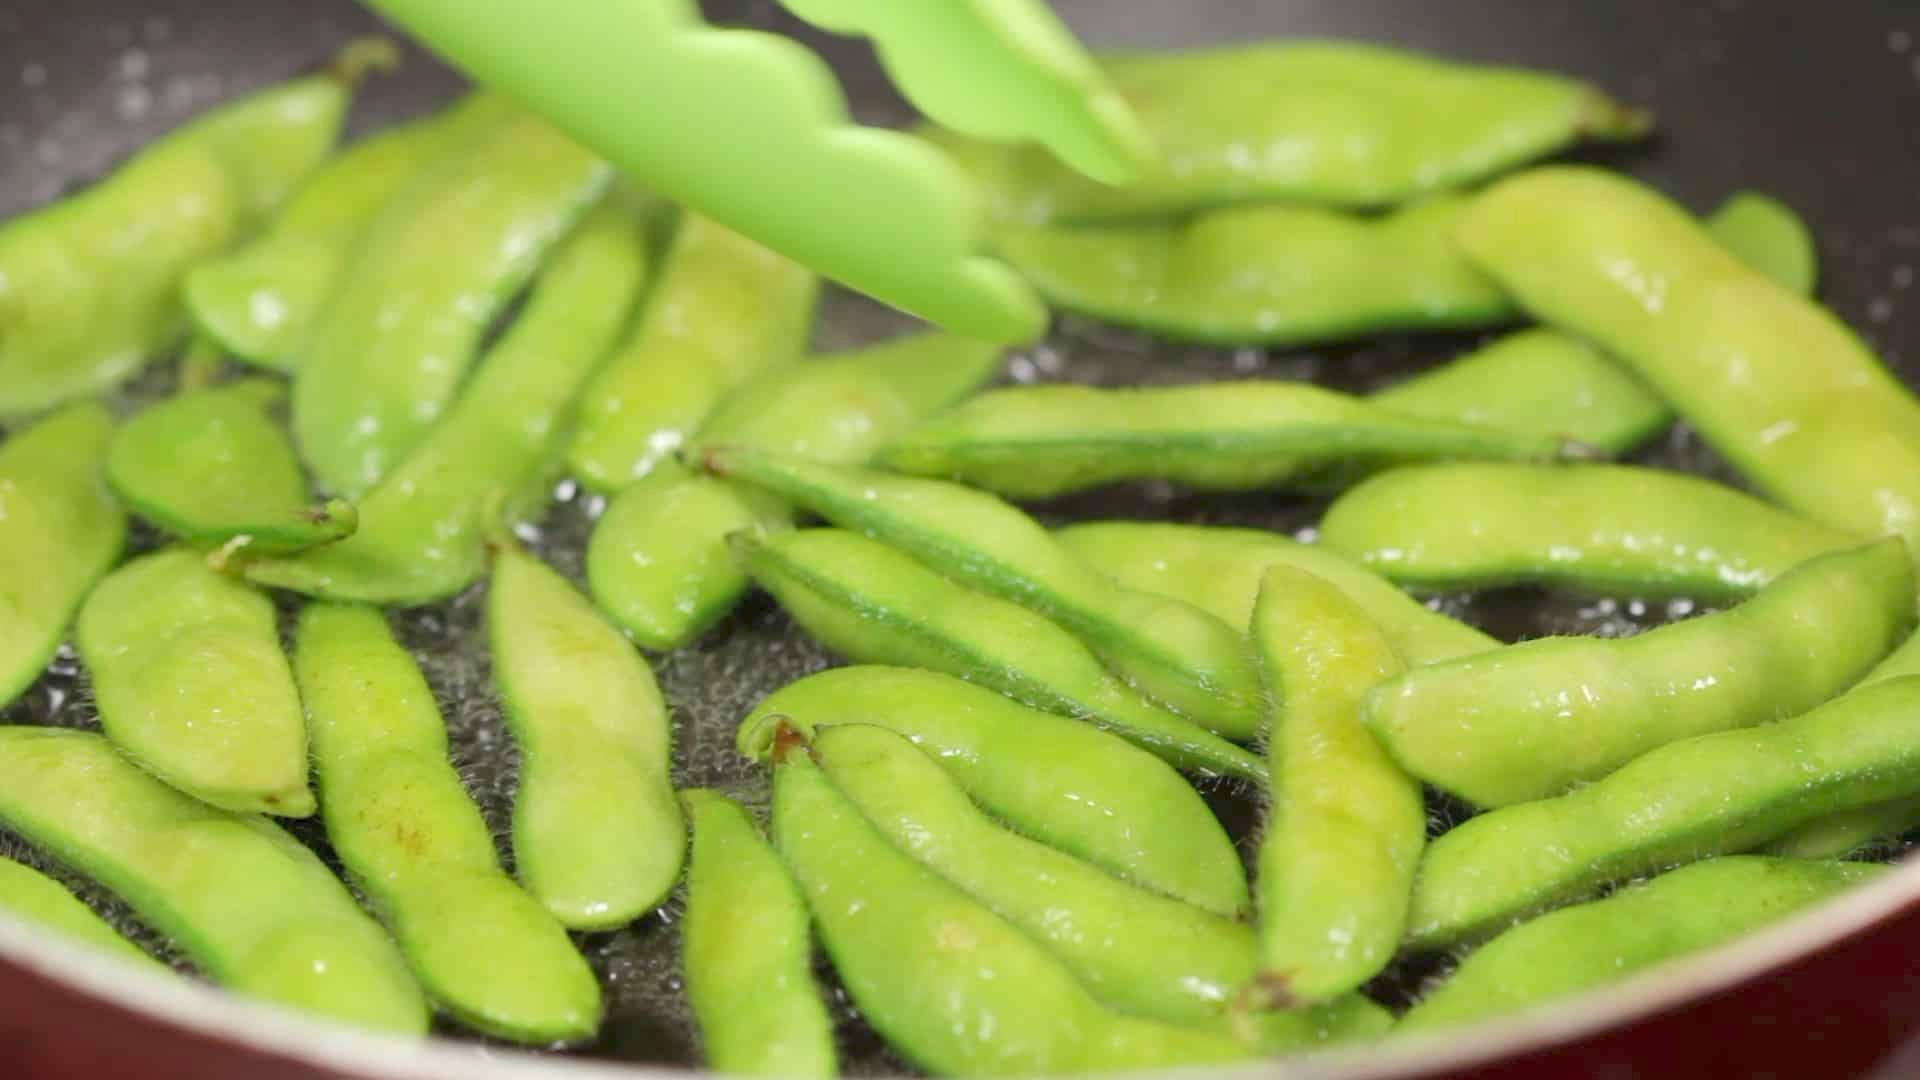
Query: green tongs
{"points": [[750, 128]]}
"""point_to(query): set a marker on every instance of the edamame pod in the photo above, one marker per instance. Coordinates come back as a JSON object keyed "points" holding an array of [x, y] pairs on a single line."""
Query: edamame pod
{"points": [[873, 604], [212, 468], [1042, 441], [658, 562], [1099, 798], [747, 953], [90, 286], [1345, 826], [725, 311], [1693, 908], [1766, 234], [390, 347], [422, 528], [597, 834], [1270, 275], [1165, 648], [1605, 528], [248, 904], [1849, 831], [258, 300], [1532, 720], [1219, 570], [1333, 123], [949, 984], [1709, 795], [60, 531], [1547, 383], [407, 831], [1776, 384], [1137, 952], [191, 683], [34, 897]]}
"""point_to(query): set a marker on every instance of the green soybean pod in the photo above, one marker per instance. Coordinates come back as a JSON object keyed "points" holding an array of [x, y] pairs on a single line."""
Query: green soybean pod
{"points": [[35, 898], [1043, 441], [1099, 798], [746, 951], [90, 286], [60, 532], [1219, 570], [1548, 383], [1716, 794], [258, 299], [1269, 275], [1605, 528], [192, 684], [1775, 383], [1849, 831], [658, 562], [251, 906], [1331, 123], [1139, 953], [405, 828], [873, 604], [1766, 234], [389, 349], [1346, 825], [725, 310], [952, 986], [1167, 649], [1532, 720], [211, 467], [422, 534], [597, 834], [1693, 908]]}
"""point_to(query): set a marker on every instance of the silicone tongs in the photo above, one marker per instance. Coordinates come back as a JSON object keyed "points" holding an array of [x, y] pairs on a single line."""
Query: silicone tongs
{"points": [[750, 128]]}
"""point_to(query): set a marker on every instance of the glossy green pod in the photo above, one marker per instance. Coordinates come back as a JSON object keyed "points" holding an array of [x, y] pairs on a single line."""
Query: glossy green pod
{"points": [[1717, 794], [1098, 798], [1167, 649], [1693, 908], [658, 562], [33, 897], [422, 534], [725, 310], [873, 604], [1548, 383], [1766, 234], [1137, 952], [1778, 386], [949, 984], [1219, 570], [90, 285], [1043, 441], [1604, 528], [1331, 123], [211, 467], [597, 834], [60, 532], [251, 906], [192, 684], [1532, 720], [1269, 275], [1851, 830], [746, 951], [259, 299], [391, 347], [411, 837], [1345, 825]]}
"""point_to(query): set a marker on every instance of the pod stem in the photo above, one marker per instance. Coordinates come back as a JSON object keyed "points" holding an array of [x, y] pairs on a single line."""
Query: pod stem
{"points": [[362, 56], [1268, 991], [762, 739]]}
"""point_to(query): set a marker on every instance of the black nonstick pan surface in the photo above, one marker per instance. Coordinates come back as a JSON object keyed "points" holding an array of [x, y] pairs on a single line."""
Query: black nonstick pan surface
{"points": [[1817, 104]]}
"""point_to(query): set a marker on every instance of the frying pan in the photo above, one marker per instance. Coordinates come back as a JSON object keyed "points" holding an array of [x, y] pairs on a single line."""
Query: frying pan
{"points": [[1816, 104]]}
